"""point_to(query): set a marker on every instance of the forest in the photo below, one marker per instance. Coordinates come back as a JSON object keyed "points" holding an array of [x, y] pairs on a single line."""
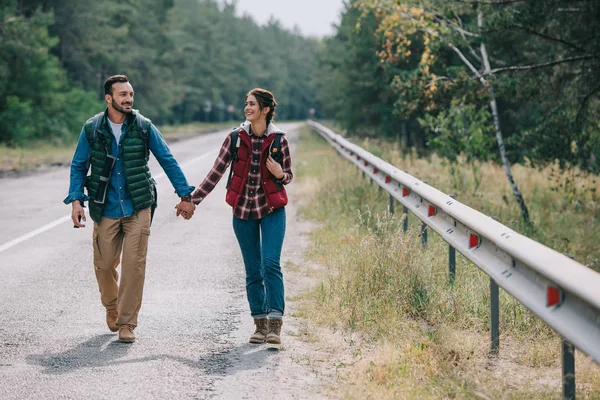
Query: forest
{"points": [[452, 76], [508, 81], [188, 60]]}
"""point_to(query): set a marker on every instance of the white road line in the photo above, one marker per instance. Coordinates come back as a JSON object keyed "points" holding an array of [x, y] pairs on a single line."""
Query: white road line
{"points": [[34, 233], [66, 218]]}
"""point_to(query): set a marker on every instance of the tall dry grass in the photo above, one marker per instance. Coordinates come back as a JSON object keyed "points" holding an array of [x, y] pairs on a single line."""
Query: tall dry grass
{"points": [[426, 338], [564, 206]]}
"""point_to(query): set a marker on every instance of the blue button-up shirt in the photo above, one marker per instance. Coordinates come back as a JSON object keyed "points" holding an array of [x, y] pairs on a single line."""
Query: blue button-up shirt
{"points": [[118, 200]]}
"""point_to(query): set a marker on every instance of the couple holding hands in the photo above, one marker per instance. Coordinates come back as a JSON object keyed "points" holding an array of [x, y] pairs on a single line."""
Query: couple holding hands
{"points": [[115, 145]]}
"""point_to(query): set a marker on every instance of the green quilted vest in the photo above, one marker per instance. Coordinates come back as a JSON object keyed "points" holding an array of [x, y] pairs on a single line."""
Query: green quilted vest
{"points": [[140, 184]]}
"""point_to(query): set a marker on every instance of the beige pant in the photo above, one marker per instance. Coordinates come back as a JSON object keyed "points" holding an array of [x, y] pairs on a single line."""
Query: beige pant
{"points": [[111, 238]]}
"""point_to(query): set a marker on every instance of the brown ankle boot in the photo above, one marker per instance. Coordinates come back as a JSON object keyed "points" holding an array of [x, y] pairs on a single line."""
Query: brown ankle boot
{"points": [[126, 333], [111, 320], [261, 331], [274, 334]]}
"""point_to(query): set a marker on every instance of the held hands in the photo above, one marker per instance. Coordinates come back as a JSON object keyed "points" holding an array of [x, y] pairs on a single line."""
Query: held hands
{"points": [[185, 209], [274, 168], [77, 214]]}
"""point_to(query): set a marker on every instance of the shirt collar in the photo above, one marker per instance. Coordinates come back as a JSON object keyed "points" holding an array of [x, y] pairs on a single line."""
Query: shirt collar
{"points": [[125, 123]]}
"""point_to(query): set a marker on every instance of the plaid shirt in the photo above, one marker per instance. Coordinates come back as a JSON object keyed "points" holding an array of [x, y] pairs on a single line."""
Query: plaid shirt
{"points": [[253, 204]]}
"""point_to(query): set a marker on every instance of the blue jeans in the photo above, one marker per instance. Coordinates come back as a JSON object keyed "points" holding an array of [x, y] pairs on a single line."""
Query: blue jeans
{"points": [[264, 280]]}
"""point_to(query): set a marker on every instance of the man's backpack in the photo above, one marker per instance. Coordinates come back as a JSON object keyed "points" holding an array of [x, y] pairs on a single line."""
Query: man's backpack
{"points": [[234, 144]]}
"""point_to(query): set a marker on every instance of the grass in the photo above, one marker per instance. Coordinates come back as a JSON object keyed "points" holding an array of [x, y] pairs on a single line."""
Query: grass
{"points": [[563, 206], [39, 154], [180, 132], [422, 337], [35, 155]]}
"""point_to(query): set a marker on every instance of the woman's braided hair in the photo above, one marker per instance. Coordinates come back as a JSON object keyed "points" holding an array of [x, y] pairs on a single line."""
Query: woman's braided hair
{"points": [[264, 99]]}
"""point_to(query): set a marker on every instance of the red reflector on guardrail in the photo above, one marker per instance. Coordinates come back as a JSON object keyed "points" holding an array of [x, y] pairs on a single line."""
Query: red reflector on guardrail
{"points": [[351, 153], [366, 163], [474, 240], [405, 192], [358, 157], [554, 296], [431, 211], [375, 170], [388, 179]]}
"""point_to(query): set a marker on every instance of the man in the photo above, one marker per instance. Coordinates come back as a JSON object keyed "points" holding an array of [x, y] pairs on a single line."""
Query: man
{"points": [[122, 197]]}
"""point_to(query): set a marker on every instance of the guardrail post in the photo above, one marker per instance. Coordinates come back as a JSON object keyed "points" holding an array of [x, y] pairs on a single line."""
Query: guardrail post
{"points": [[568, 370], [494, 313], [568, 365], [495, 317], [424, 230], [364, 175], [391, 205], [405, 225], [451, 258]]}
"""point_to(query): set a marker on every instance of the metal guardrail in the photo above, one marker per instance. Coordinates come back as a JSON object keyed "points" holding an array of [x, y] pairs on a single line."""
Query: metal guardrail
{"points": [[562, 292]]}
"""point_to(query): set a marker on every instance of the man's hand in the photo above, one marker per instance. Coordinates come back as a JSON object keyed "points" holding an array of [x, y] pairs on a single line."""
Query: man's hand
{"points": [[77, 213], [274, 168], [185, 209]]}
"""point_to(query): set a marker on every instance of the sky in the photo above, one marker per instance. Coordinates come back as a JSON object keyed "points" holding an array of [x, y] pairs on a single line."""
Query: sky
{"points": [[313, 17]]}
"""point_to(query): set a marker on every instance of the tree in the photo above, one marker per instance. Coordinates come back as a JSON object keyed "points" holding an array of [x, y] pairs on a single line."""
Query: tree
{"points": [[35, 96], [178, 54], [529, 64]]}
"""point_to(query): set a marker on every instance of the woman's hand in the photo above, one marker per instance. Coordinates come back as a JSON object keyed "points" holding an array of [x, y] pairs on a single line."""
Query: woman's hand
{"points": [[274, 168]]}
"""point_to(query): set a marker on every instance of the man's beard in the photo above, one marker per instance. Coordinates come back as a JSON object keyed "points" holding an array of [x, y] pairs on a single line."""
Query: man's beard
{"points": [[121, 109]]}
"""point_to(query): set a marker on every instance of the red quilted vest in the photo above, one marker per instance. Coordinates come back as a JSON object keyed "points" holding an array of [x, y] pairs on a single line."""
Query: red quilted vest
{"points": [[274, 192]]}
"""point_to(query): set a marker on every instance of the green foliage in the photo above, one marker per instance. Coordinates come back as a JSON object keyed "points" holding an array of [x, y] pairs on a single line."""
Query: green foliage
{"points": [[354, 86], [15, 111], [464, 136], [179, 55], [35, 98], [219, 58], [464, 130], [425, 57]]}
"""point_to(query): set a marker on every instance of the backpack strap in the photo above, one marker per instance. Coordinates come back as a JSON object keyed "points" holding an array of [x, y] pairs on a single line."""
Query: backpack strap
{"points": [[144, 125], [275, 148], [234, 145], [91, 133]]}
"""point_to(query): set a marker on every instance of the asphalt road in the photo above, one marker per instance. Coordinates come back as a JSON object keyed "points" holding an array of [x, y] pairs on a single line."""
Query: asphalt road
{"points": [[194, 322]]}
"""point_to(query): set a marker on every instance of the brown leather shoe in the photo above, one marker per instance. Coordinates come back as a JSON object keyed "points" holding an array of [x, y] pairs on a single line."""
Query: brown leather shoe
{"points": [[274, 335], [261, 331], [111, 320], [126, 333]]}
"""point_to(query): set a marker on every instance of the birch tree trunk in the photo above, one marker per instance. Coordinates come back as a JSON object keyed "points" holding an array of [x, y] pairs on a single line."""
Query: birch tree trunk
{"points": [[499, 137]]}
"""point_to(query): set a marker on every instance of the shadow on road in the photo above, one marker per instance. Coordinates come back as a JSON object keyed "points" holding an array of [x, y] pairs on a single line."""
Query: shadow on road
{"points": [[91, 353], [223, 362], [103, 351], [250, 356]]}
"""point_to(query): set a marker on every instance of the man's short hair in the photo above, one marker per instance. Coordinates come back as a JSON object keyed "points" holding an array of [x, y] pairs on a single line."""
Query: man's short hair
{"points": [[112, 80]]}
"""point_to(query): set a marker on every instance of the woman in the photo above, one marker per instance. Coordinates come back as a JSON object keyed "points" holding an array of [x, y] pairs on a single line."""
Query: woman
{"points": [[255, 192]]}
